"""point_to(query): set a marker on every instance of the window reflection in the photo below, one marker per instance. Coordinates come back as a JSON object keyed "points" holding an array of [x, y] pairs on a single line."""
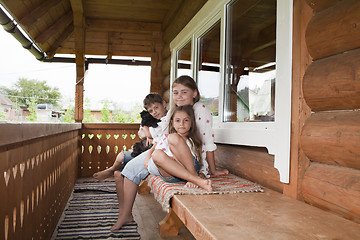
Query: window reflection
{"points": [[183, 61], [250, 61], [208, 74]]}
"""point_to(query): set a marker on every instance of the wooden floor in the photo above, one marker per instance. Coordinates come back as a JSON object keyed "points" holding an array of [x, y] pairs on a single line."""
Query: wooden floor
{"points": [[148, 213]]}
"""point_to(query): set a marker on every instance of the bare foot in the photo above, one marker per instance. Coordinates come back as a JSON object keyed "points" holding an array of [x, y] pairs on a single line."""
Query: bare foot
{"points": [[204, 184], [220, 172], [102, 175], [191, 185], [121, 221]]}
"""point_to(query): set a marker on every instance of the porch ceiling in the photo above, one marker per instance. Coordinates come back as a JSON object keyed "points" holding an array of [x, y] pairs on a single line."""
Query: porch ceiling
{"points": [[111, 27]]}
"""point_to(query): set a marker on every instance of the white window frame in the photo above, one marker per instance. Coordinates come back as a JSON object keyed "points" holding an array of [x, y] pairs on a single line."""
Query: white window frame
{"points": [[275, 136]]}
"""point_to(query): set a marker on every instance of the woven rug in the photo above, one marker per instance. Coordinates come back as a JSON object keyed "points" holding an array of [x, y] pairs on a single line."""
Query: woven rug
{"points": [[92, 210], [164, 191]]}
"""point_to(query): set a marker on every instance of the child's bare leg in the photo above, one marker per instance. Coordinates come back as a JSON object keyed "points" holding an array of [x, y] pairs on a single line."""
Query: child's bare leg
{"points": [[102, 175], [129, 195], [169, 166], [181, 152], [119, 181]]}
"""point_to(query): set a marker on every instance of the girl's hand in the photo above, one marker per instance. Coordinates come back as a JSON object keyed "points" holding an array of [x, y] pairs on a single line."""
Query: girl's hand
{"points": [[220, 172]]}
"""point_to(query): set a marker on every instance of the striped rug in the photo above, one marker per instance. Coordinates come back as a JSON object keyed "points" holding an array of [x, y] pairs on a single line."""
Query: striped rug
{"points": [[90, 214]]}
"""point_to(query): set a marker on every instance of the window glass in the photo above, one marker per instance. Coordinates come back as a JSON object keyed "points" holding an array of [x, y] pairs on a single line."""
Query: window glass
{"points": [[249, 92], [208, 69], [183, 61]]}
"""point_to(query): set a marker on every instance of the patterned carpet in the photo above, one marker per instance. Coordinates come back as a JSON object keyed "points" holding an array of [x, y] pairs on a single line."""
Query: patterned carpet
{"points": [[92, 210], [164, 191]]}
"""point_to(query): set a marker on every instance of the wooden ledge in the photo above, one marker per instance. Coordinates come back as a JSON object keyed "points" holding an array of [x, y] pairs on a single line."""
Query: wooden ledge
{"points": [[14, 132], [268, 215]]}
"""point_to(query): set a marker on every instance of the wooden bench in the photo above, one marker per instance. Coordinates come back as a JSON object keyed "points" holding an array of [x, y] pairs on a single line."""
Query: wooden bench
{"points": [[268, 215]]}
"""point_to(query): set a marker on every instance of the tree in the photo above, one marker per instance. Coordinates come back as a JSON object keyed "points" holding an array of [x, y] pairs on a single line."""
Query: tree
{"points": [[25, 89], [69, 115], [32, 110], [88, 118], [105, 112]]}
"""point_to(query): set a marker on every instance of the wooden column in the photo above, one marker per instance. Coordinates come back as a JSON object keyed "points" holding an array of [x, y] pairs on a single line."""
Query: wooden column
{"points": [[156, 62], [300, 111], [79, 31]]}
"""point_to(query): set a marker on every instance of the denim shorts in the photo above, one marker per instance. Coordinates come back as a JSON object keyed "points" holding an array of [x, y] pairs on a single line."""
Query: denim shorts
{"points": [[127, 157], [172, 179], [135, 170]]}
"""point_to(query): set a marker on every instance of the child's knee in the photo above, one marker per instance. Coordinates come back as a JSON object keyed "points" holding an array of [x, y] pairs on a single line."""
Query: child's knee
{"points": [[157, 156], [117, 175]]}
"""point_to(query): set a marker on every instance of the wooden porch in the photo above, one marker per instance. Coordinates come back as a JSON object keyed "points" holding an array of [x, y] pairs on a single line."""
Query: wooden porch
{"points": [[43, 161]]}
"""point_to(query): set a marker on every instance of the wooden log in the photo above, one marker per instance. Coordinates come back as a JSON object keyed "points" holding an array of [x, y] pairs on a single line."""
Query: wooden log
{"points": [[251, 163], [333, 188], [166, 65], [319, 5], [333, 83], [334, 30], [170, 225], [333, 138]]}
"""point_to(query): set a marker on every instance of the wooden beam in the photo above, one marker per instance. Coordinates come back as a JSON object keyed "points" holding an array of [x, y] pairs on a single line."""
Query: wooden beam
{"points": [[118, 25], [38, 11], [61, 23], [156, 62], [62, 37], [79, 32]]}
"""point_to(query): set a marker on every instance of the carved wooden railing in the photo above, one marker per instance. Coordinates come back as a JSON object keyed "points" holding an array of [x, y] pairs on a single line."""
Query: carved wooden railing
{"points": [[39, 165], [101, 142]]}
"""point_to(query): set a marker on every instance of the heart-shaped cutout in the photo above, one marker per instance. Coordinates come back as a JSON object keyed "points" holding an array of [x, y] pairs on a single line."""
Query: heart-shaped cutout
{"points": [[98, 136], [7, 177], [90, 136], [116, 136]]}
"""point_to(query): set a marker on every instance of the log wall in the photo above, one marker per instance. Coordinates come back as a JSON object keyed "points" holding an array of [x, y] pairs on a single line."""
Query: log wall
{"points": [[330, 137], [251, 163]]}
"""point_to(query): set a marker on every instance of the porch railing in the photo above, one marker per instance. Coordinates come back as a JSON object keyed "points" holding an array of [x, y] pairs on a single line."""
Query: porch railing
{"points": [[40, 164], [101, 142]]}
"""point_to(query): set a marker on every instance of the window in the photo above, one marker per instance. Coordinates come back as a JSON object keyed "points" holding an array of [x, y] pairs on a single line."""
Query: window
{"points": [[250, 61], [183, 61], [208, 67], [242, 56]]}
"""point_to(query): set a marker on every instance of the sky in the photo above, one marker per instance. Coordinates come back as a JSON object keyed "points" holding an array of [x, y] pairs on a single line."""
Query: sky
{"points": [[121, 84]]}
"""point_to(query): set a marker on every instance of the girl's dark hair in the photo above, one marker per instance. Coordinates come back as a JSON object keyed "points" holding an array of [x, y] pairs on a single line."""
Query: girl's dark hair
{"points": [[190, 83], [152, 98], [193, 134]]}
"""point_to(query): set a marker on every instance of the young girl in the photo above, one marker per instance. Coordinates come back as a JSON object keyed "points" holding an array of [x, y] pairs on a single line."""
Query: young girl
{"points": [[164, 164]]}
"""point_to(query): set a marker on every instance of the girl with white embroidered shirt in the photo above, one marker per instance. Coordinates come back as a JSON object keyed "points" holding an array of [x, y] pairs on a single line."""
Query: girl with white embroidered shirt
{"points": [[185, 92], [163, 163]]}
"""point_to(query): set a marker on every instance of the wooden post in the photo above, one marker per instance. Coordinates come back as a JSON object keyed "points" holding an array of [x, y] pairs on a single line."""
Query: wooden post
{"points": [[170, 225], [156, 62], [79, 30]]}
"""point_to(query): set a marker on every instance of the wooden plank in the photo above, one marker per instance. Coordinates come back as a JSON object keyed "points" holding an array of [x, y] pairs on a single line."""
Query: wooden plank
{"points": [[333, 138], [58, 41], [331, 83], [62, 23], [268, 215], [334, 30], [333, 188], [250, 163], [38, 11], [120, 25]]}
